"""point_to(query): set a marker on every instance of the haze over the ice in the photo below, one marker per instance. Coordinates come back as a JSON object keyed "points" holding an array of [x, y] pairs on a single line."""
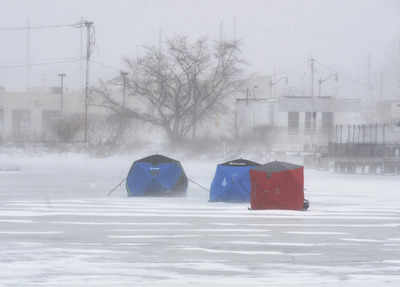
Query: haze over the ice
{"points": [[278, 35]]}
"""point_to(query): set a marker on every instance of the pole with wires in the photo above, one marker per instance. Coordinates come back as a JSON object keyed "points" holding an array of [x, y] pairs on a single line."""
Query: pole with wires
{"points": [[28, 55], [88, 26], [321, 81], [312, 76], [62, 75], [313, 113]]}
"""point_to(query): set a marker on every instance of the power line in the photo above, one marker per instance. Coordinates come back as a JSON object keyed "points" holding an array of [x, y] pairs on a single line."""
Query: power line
{"points": [[331, 69], [107, 66], [342, 74], [17, 66], [40, 27], [28, 28]]}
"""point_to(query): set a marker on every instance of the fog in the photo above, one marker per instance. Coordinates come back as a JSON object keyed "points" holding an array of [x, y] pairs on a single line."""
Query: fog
{"points": [[199, 143], [277, 35]]}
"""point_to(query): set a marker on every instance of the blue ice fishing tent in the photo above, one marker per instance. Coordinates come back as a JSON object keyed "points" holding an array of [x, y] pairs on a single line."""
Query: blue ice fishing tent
{"points": [[231, 182], [156, 175]]}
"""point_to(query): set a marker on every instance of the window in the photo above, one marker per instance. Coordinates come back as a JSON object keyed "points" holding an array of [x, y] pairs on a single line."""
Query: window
{"points": [[327, 121], [49, 121], [293, 122], [21, 124], [308, 122]]}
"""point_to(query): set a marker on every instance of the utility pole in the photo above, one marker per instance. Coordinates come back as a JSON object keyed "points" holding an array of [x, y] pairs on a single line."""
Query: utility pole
{"points": [[124, 84], [321, 81], [313, 113], [81, 56], [319, 87], [272, 83], [234, 29], [398, 75], [371, 94], [88, 26], [62, 75], [122, 110], [271, 87], [369, 73], [28, 55], [221, 31], [312, 60], [254, 91]]}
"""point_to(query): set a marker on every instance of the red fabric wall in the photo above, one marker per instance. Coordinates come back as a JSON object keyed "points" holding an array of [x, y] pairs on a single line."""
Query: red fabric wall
{"points": [[277, 190]]}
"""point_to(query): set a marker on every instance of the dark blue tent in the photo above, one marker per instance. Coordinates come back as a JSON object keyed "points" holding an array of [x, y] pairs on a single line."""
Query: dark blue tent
{"points": [[156, 175], [231, 182]]}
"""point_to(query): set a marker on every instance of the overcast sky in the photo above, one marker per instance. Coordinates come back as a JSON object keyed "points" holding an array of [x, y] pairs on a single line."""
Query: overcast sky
{"points": [[278, 35]]}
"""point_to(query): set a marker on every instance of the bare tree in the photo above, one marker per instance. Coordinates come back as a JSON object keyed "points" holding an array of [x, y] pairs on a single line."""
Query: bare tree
{"points": [[180, 86]]}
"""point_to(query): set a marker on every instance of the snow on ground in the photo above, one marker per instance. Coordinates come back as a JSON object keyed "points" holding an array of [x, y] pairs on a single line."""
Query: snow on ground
{"points": [[58, 228]]}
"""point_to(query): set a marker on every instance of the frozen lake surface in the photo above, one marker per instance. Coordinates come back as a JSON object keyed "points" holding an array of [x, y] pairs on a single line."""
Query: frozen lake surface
{"points": [[57, 228]]}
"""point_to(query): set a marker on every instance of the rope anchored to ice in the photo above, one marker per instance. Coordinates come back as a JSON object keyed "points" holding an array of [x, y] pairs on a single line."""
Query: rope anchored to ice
{"points": [[198, 184], [116, 187], [122, 181]]}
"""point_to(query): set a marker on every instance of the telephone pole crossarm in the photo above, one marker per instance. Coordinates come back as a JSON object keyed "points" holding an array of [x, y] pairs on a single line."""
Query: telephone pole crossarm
{"points": [[321, 81], [272, 83]]}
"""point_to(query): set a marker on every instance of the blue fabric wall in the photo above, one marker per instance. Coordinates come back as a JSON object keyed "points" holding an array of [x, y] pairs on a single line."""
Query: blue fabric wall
{"points": [[147, 178], [231, 184]]}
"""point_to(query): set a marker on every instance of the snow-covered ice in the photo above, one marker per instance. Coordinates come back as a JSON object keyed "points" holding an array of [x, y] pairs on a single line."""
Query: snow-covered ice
{"points": [[58, 228]]}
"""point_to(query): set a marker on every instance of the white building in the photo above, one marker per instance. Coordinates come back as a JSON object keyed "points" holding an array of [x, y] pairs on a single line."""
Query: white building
{"points": [[27, 116], [291, 122]]}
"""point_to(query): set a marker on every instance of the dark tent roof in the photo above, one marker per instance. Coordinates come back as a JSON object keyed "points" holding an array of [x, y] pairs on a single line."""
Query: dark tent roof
{"points": [[156, 175], [240, 162], [276, 166], [157, 159]]}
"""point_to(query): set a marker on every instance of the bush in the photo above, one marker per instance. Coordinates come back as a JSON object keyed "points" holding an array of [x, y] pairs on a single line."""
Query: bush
{"points": [[66, 128]]}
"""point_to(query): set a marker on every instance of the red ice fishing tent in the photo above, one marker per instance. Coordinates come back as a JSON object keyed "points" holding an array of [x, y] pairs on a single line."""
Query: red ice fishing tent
{"points": [[277, 185]]}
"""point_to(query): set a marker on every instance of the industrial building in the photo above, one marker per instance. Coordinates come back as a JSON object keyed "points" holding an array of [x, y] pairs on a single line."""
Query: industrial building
{"points": [[29, 115], [294, 122]]}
